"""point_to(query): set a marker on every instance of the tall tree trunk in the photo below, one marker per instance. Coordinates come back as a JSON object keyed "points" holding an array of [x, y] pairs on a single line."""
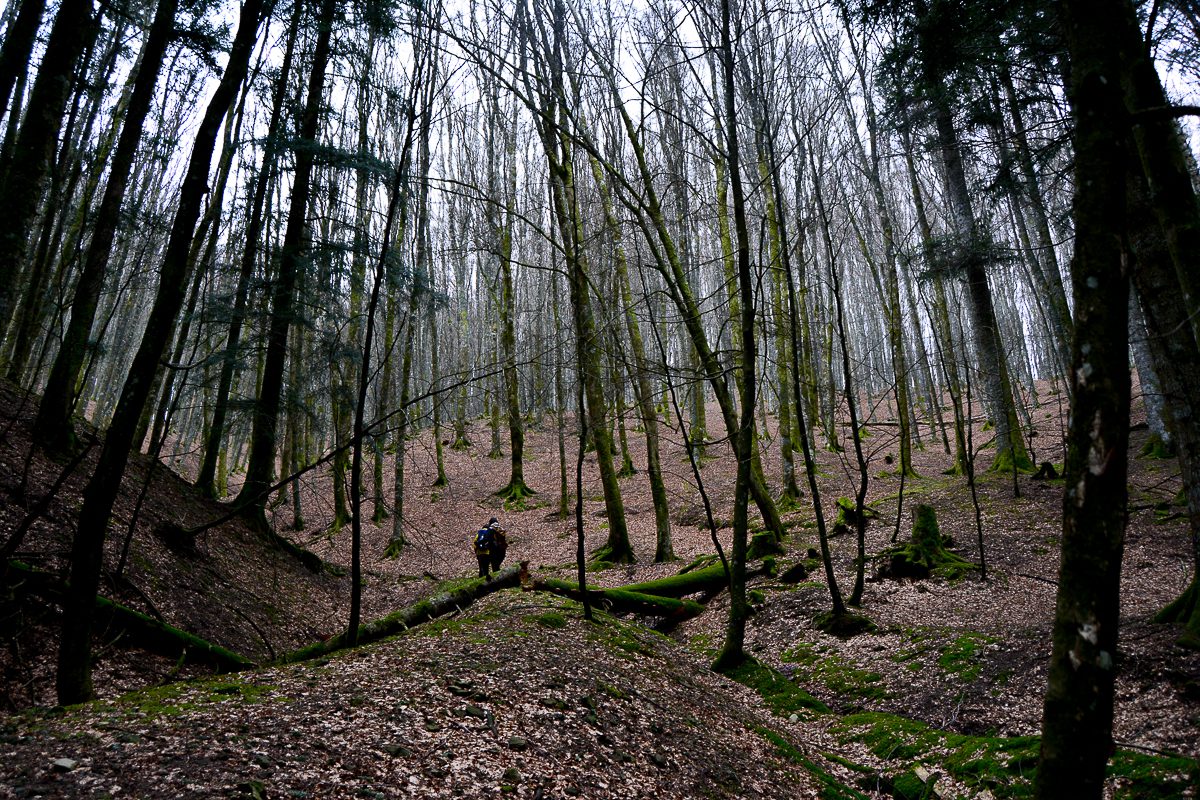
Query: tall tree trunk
{"points": [[989, 348], [733, 650], [33, 152], [643, 394], [260, 184], [73, 680], [266, 412], [19, 37], [1078, 709]]}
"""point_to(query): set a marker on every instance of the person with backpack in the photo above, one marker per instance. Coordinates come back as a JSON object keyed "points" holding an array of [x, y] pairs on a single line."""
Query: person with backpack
{"points": [[490, 545], [499, 547]]}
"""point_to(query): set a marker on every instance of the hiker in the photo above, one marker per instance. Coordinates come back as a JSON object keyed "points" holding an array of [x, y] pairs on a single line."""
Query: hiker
{"points": [[499, 548], [490, 546]]}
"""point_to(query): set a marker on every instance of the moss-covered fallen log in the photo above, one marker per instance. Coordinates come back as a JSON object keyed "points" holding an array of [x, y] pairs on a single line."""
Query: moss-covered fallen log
{"points": [[705, 579], [446, 602], [132, 627], [619, 600]]}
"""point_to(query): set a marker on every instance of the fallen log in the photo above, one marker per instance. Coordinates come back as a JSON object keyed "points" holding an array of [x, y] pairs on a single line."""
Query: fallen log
{"points": [[702, 580], [134, 627], [439, 605], [619, 600]]}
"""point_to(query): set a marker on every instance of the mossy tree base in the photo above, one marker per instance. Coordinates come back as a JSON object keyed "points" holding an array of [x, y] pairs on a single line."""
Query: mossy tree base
{"points": [[789, 501], [730, 661], [1156, 447], [394, 547], [1004, 462], [461, 443], [925, 554], [611, 555], [1186, 610], [514, 494]]}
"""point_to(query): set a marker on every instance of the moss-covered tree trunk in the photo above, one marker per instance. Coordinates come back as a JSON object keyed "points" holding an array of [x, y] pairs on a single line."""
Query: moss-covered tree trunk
{"points": [[555, 124], [790, 494], [643, 394], [618, 547], [666, 259], [1078, 708], [733, 652]]}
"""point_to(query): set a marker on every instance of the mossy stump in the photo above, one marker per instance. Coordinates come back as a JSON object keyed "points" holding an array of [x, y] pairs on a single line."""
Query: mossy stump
{"points": [[764, 543], [848, 517], [925, 554]]}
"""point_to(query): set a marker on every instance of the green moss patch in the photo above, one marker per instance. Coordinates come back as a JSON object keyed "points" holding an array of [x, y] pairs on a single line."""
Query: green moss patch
{"points": [[816, 665], [551, 619], [1005, 766], [831, 788], [962, 656], [174, 699], [781, 695]]}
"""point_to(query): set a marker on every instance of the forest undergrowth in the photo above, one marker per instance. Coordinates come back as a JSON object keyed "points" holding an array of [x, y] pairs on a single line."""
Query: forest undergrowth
{"points": [[519, 695]]}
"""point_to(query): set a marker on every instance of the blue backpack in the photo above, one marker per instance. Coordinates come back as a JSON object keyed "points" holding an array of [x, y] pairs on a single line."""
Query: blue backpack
{"points": [[484, 539]]}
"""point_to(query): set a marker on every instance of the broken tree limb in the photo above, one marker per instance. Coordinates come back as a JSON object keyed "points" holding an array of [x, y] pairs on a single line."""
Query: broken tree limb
{"points": [[134, 628], [446, 602]]}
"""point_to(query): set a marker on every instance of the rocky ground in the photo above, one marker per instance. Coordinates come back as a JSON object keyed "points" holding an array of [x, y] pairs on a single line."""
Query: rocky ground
{"points": [[518, 695]]}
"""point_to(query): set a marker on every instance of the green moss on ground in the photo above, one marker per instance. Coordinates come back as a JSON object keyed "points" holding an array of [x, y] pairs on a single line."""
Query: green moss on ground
{"points": [[781, 695], [551, 619], [818, 665], [831, 787], [174, 699], [1005, 766], [962, 656]]}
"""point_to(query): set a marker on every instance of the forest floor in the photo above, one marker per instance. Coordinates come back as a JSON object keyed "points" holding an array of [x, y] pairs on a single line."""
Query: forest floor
{"points": [[517, 695]]}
